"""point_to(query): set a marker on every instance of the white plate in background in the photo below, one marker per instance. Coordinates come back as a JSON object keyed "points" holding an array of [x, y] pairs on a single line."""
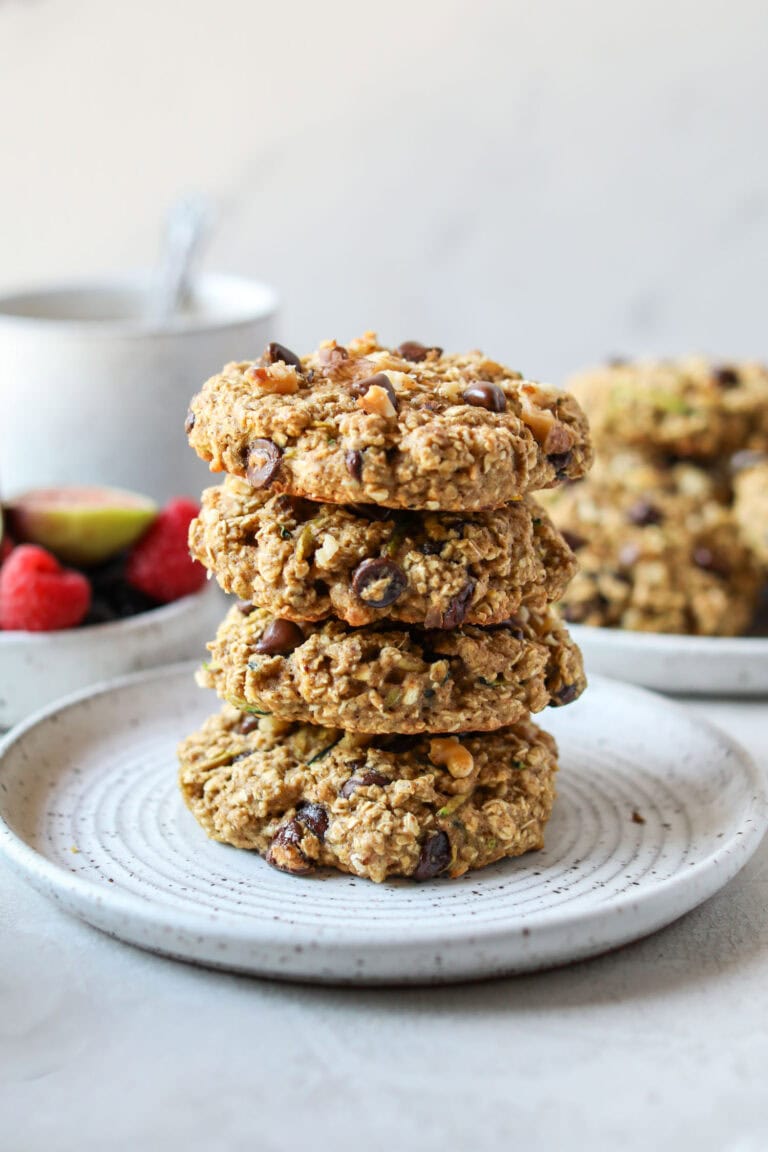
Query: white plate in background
{"points": [[692, 665], [656, 811]]}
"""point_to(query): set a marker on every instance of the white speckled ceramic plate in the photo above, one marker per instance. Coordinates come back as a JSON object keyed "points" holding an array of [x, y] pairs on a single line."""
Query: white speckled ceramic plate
{"points": [[693, 665], [656, 811]]}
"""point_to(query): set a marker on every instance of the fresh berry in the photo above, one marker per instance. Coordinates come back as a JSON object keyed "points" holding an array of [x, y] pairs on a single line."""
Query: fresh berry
{"points": [[160, 564], [38, 595]]}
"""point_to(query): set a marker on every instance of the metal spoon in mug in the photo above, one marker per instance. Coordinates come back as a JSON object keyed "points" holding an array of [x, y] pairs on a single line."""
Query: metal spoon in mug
{"points": [[188, 222]]}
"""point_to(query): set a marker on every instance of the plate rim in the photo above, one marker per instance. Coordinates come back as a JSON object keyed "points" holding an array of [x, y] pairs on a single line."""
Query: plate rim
{"points": [[681, 644], [721, 865]]}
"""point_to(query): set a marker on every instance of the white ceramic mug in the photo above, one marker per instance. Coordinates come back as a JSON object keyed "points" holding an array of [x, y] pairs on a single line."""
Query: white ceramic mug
{"points": [[91, 393]]}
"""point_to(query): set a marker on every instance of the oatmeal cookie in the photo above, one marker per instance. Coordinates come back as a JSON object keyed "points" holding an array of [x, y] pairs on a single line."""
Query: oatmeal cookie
{"points": [[376, 806], [404, 428], [750, 504], [363, 563], [658, 550], [385, 678], [691, 407]]}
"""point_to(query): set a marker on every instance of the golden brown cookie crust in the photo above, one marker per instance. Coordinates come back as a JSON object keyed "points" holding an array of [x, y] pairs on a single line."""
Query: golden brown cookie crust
{"points": [[658, 550], [362, 564], [690, 407], [386, 679], [306, 797], [428, 435]]}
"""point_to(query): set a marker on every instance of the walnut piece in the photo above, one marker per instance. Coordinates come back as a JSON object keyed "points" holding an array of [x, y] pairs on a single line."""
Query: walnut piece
{"points": [[448, 751], [281, 379], [377, 402]]}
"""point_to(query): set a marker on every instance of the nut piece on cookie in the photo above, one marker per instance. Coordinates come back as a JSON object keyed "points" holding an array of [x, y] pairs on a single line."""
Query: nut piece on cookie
{"points": [[447, 751]]}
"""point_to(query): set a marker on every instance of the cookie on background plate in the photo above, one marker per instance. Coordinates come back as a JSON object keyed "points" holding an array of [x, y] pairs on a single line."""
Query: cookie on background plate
{"points": [[363, 563], [385, 678], [658, 548], [750, 505], [405, 428], [374, 806], [688, 407]]}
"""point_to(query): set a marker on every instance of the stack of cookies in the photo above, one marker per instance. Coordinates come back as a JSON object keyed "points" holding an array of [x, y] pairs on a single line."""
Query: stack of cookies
{"points": [[394, 626], [670, 525]]}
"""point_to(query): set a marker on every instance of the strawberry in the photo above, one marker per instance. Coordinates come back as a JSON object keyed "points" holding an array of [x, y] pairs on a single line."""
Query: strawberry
{"points": [[160, 564], [38, 595]]}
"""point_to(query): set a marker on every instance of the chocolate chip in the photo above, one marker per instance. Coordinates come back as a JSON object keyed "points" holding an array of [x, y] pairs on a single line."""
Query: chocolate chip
{"points": [[573, 539], [280, 638], [285, 850], [456, 612], [354, 462], [706, 559], [485, 395], [560, 461], [367, 780], [565, 695], [379, 582], [314, 817], [415, 352], [277, 352], [262, 464], [725, 376], [249, 723], [380, 380], [431, 547], [643, 513], [435, 857], [189, 423], [245, 607]]}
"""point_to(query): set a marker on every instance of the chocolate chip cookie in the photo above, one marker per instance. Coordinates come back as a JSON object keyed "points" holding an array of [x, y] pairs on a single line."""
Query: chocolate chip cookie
{"points": [[376, 806], [405, 428], [384, 678], [658, 550], [363, 563], [691, 407], [750, 506]]}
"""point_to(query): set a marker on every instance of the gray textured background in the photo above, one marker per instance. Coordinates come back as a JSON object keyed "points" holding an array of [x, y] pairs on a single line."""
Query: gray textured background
{"points": [[554, 181]]}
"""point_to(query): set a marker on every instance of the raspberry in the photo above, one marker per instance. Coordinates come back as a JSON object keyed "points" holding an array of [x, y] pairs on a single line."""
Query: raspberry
{"points": [[38, 595], [160, 564]]}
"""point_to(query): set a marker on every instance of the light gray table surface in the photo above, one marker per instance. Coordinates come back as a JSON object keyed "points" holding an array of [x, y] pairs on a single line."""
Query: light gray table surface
{"points": [[663, 1044]]}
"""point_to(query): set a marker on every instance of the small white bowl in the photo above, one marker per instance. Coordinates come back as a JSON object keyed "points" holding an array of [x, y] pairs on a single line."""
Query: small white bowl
{"points": [[39, 667]]}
